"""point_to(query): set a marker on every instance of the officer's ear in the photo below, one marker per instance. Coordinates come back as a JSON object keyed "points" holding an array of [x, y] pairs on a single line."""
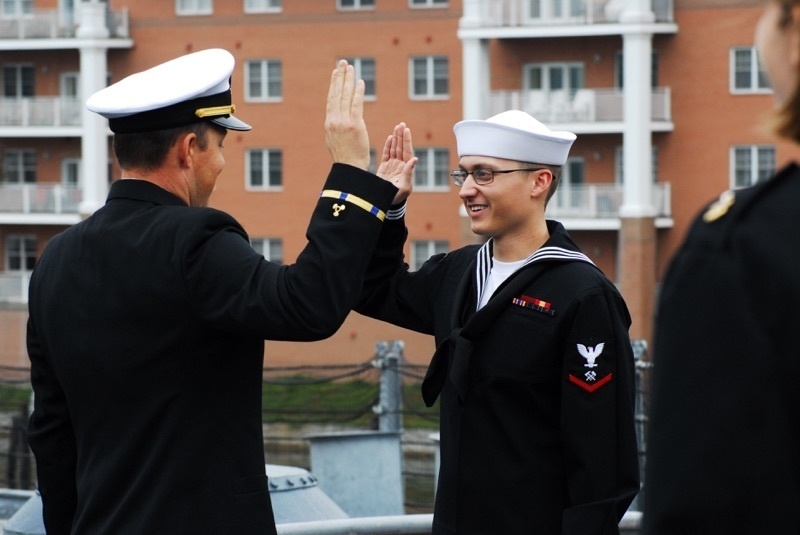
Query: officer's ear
{"points": [[186, 148]]}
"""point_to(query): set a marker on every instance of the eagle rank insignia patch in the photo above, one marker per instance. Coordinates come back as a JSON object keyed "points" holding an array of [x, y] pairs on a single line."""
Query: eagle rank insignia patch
{"points": [[588, 369]]}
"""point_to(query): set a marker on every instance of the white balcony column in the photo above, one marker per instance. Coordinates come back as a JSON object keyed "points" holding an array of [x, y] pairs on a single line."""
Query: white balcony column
{"points": [[637, 52], [475, 65], [476, 73], [636, 273], [94, 141]]}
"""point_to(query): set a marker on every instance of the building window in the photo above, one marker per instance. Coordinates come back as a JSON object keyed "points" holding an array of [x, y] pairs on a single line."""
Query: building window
{"points": [[429, 77], [194, 7], [555, 9], [428, 3], [70, 171], [263, 6], [751, 164], [433, 168], [18, 81], [70, 83], [365, 69], [422, 250], [271, 248], [19, 166], [264, 80], [355, 4], [554, 76], [20, 252], [264, 169], [747, 73], [15, 8], [570, 193]]}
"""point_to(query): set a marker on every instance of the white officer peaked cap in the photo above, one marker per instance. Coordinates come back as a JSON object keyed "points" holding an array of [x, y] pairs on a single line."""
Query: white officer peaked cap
{"points": [[513, 135], [192, 88]]}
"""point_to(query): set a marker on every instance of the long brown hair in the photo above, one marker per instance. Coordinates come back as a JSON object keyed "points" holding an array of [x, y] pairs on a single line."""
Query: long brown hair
{"points": [[786, 121]]}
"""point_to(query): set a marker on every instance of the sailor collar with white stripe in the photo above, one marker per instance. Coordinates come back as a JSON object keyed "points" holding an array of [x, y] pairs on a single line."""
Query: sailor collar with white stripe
{"points": [[543, 254]]}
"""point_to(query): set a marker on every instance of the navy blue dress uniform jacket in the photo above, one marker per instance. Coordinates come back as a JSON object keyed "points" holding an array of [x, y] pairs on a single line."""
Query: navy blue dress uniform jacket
{"points": [[723, 451], [146, 339], [536, 388]]}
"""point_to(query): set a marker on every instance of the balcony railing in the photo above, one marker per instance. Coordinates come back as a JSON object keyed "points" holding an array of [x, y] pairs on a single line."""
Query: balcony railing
{"points": [[599, 201], [500, 13], [14, 287], [578, 106], [39, 199], [40, 111], [55, 24]]}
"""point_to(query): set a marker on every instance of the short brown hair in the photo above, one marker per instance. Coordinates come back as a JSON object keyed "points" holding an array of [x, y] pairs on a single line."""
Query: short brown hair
{"points": [[555, 170], [148, 150]]}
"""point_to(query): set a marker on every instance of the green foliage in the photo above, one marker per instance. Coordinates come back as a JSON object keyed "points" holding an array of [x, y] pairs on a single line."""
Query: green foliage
{"points": [[14, 397], [300, 400]]}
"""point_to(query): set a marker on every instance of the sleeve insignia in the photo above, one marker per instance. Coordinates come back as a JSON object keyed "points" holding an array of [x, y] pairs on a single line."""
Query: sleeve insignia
{"points": [[590, 371]]}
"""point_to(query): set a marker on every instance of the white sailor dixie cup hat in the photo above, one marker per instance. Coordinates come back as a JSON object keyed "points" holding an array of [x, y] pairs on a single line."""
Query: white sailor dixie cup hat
{"points": [[513, 135], [182, 91]]}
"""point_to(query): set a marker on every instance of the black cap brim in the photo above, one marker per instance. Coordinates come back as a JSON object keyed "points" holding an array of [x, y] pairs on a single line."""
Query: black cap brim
{"points": [[231, 123]]}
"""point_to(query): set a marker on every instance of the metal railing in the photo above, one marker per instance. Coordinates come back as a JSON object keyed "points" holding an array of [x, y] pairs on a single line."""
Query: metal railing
{"points": [[599, 201], [577, 106], [14, 287], [520, 13], [401, 525], [56, 24], [386, 352], [40, 111], [37, 198]]}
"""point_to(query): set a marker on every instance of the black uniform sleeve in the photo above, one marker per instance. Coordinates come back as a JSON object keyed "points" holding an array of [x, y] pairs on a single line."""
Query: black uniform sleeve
{"points": [[235, 287], [600, 448], [52, 440], [393, 294]]}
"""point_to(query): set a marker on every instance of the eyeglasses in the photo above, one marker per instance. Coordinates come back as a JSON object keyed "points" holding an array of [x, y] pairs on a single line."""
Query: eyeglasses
{"points": [[483, 175]]}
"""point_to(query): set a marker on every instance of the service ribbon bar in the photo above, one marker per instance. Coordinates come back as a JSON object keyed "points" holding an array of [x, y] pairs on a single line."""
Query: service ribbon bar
{"points": [[358, 201], [534, 304]]}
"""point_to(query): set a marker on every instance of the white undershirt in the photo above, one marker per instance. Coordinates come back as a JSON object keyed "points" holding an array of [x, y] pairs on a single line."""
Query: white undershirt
{"points": [[497, 275]]}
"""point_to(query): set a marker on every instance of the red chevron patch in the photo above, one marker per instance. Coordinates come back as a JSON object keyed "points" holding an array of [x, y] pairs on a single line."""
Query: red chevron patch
{"points": [[590, 387]]}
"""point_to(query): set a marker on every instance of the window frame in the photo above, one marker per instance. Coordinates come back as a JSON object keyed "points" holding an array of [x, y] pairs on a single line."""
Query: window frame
{"points": [[68, 166], [434, 247], [570, 185], [22, 9], [427, 167], [265, 81], [357, 5], [370, 83], [756, 172], [22, 252], [267, 156], [428, 4], [267, 248], [183, 10], [22, 73], [430, 77], [555, 10], [758, 82], [23, 169], [262, 6]]}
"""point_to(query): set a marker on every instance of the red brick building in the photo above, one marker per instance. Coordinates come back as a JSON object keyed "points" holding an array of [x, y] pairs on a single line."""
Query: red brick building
{"points": [[663, 94]]}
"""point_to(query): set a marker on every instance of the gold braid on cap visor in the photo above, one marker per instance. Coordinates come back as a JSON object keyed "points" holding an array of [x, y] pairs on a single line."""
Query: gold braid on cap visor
{"points": [[215, 111]]}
